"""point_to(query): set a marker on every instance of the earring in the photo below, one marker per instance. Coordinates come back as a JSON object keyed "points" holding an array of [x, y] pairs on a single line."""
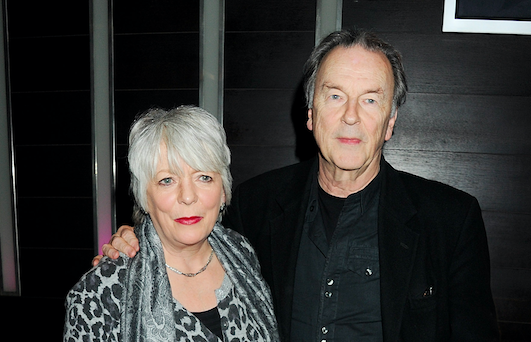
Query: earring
{"points": [[222, 207]]}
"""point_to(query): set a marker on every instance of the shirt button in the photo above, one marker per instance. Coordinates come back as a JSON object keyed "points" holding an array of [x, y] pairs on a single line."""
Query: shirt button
{"points": [[329, 282], [323, 340], [324, 330], [328, 294], [368, 272]]}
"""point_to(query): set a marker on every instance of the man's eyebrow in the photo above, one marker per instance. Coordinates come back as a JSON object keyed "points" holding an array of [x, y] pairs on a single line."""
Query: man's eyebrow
{"points": [[328, 85], [375, 91], [378, 90]]}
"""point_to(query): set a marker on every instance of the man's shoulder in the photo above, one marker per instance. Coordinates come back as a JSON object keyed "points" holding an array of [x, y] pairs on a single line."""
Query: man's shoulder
{"points": [[423, 184], [429, 192]]}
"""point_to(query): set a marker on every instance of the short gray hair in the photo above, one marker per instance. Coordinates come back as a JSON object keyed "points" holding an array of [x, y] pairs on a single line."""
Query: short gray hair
{"points": [[190, 134], [350, 38]]}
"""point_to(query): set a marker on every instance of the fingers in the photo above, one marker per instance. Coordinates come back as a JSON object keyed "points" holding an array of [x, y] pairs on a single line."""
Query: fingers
{"points": [[110, 251], [96, 260], [128, 234], [124, 240]]}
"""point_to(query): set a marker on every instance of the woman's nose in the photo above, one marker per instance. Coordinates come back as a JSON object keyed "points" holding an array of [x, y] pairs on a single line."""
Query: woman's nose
{"points": [[187, 193]]}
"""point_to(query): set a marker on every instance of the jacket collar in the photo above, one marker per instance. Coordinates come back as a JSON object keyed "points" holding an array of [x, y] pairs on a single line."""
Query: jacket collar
{"points": [[286, 229]]}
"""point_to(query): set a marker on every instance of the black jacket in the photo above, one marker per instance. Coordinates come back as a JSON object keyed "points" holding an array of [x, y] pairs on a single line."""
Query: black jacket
{"points": [[430, 236]]}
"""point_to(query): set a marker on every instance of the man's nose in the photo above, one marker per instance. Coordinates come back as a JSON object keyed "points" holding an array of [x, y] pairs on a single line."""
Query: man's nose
{"points": [[351, 114]]}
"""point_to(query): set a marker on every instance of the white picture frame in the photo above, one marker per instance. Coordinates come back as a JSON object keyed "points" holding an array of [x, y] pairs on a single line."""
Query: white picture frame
{"points": [[453, 24]]}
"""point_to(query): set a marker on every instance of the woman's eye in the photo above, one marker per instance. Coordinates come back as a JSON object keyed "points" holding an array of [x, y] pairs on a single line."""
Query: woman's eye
{"points": [[166, 181], [205, 178]]}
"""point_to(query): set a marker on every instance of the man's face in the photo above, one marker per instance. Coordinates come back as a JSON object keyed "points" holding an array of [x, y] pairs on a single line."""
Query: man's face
{"points": [[350, 118]]}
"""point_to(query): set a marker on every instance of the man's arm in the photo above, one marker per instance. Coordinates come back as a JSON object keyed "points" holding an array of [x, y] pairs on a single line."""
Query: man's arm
{"points": [[472, 307], [124, 240]]}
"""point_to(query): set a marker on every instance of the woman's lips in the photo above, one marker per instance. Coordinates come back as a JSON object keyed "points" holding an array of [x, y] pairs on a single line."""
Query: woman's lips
{"points": [[188, 220]]}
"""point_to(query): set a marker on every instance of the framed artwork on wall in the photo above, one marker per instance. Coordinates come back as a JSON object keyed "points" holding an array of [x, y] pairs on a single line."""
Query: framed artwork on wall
{"points": [[487, 16]]}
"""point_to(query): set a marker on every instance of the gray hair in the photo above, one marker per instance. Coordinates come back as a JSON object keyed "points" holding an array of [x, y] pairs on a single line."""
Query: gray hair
{"points": [[190, 134], [350, 38]]}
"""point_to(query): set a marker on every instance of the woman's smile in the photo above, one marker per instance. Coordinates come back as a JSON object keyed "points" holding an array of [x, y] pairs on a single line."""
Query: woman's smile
{"points": [[188, 220]]}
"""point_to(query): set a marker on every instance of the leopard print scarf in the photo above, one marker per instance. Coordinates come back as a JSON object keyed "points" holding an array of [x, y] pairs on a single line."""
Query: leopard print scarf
{"points": [[149, 314]]}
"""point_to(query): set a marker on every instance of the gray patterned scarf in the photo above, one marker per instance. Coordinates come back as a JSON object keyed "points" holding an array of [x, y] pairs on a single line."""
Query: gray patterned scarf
{"points": [[148, 313]]}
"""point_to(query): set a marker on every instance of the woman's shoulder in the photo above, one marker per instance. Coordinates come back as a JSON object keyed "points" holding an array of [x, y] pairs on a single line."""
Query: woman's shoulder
{"points": [[96, 300], [108, 273]]}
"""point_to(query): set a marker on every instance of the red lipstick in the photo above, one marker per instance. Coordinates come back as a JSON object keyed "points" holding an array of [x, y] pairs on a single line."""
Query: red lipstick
{"points": [[188, 220]]}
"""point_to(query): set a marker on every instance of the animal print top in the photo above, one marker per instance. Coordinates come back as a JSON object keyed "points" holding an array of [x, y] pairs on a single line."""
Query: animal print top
{"points": [[94, 309]]}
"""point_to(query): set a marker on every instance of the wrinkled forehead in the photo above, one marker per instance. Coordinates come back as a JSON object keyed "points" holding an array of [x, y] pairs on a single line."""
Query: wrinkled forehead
{"points": [[354, 64]]}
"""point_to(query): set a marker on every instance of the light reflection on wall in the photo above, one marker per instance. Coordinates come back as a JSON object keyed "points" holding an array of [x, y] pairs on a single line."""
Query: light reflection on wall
{"points": [[8, 234], [102, 120]]}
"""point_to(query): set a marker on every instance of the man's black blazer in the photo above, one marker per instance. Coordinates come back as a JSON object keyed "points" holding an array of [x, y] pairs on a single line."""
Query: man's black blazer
{"points": [[430, 235]]}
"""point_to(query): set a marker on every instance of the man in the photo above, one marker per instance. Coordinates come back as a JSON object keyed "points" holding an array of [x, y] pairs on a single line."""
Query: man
{"points": [[354, 250]]}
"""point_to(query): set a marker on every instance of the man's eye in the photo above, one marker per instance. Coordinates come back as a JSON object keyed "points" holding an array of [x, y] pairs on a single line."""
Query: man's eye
{"points": [[335, 97], [371, 101]]}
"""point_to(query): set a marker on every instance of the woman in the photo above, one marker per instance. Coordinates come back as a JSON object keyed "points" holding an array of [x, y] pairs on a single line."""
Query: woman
{"points": [[192, 279]]}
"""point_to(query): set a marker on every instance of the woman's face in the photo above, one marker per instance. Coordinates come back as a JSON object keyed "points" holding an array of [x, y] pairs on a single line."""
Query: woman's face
{"points": [[183, 208]]}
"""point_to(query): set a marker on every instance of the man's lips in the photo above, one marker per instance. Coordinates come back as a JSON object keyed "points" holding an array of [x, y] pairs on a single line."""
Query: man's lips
{"points": [[188, 220], [349, 141]]}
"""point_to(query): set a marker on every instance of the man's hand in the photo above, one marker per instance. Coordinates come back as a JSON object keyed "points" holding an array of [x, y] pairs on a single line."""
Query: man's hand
{"points": [[124, 240]]}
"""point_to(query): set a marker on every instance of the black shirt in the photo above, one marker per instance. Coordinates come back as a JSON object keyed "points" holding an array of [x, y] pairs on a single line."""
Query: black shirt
{"points": [[337, 282], [211, 320]]}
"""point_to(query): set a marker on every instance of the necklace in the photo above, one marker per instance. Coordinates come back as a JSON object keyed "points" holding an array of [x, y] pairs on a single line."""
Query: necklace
{"points": [[192, 274]]}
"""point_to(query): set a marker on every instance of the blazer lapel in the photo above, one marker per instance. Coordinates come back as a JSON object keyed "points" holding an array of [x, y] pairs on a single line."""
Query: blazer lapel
{"points": [[398, 246], [286, 230]]}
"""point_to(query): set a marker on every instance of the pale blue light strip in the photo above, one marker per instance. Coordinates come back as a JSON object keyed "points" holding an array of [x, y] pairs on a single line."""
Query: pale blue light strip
{"points": [[102, 121], [211, 51], [8, 224], [329, 15]]}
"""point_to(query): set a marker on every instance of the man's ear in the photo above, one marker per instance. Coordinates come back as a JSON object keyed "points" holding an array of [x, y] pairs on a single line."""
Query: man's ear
{"points": [[309, 123], [391, 126]]}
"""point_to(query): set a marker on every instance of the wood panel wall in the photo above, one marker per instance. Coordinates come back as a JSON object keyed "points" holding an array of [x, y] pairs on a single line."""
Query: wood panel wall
{"points": [[266, 45]]}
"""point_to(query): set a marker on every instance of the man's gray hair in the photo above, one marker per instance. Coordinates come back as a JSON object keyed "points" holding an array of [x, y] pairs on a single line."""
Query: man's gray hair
{"points": [[190, 134], [350, 38]]}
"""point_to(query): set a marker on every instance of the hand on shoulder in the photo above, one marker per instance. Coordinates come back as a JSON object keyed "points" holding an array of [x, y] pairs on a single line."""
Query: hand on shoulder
{"points": [[124, 240]]}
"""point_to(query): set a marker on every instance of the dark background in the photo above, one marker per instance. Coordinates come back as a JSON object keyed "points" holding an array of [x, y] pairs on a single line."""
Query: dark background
{"points": [[466, 123]]}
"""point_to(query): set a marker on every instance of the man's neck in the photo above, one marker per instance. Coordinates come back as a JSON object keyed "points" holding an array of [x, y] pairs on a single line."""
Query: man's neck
{"points": [[342, 183]]}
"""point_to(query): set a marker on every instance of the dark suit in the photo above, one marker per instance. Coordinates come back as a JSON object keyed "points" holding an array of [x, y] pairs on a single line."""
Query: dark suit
{"points": [[430, 236]]}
